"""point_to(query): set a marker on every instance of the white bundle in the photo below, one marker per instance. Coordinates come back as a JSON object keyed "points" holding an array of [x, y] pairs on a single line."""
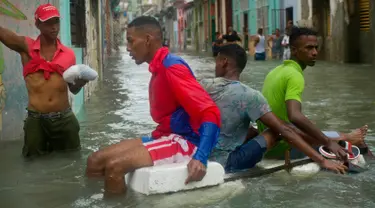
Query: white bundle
{"points": [[79, 71]]}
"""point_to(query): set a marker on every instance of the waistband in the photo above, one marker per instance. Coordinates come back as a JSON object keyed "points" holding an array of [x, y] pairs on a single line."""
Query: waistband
{"points": [[60, 114]]}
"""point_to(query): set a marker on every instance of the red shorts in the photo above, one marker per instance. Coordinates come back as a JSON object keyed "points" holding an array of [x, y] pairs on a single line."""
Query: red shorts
{"points": [[169, 149]]}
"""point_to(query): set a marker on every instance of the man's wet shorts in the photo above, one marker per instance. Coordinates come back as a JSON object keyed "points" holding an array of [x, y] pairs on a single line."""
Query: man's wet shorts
{"points": [[169, 149], [247, 155]]}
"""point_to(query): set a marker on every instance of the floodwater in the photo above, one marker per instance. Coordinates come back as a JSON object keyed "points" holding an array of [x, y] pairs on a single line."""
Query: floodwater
{"points": [[337, 97]]}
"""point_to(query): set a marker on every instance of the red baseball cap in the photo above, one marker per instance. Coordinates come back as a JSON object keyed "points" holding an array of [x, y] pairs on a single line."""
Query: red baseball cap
{"points": [[45, 12]]}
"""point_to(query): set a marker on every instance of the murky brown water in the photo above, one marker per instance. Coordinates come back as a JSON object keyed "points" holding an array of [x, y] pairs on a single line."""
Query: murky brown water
{"points": [[338, 97]]}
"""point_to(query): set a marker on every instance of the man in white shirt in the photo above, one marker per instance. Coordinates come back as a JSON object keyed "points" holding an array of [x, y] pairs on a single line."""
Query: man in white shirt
{"points": [[285, 44], [259, 44]]}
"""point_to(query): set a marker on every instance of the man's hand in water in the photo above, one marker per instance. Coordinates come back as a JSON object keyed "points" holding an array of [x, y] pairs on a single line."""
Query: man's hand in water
{"points": [[196, 171], [339, 151], [334, 166]]}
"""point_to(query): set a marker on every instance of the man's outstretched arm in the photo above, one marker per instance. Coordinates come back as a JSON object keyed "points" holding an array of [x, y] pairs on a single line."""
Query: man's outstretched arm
{"points": [[13, 41], [293, 95], [297, 118], [277, 126], [258, 109]]}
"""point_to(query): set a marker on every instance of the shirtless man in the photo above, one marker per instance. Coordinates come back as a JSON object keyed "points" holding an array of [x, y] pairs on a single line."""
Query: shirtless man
{"points": [[50, 125], [239, 105]]}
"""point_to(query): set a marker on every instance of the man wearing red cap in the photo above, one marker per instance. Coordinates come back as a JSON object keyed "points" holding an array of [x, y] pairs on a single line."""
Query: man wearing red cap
{"points": [[50, 125]]}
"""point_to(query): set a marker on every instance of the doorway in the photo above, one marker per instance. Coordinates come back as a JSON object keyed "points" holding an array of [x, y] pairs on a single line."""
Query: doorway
{"points": [[245, 20], [245, 30], [289, 14], [213, 30], [229, 13]]}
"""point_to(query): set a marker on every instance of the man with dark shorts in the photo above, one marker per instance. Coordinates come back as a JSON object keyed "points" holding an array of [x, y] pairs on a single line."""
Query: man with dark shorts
{"points": [[260, 46], [188, 119], [50, 125], [239, 105]]}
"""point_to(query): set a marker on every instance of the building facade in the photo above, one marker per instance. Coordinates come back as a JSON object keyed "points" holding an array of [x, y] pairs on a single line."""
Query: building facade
{"points": [[349, 21]]}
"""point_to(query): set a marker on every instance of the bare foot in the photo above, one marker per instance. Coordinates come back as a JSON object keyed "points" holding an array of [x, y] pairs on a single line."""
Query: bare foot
{"points": [[357, 136], [364, 130]]}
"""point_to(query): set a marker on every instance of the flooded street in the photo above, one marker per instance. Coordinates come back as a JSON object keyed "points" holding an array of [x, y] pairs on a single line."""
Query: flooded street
{"points": [[337, 97]]}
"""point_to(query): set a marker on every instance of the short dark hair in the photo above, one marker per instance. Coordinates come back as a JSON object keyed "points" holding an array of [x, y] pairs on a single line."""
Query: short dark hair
{"points": [[147, 22], [235, 52], [297, 32]]}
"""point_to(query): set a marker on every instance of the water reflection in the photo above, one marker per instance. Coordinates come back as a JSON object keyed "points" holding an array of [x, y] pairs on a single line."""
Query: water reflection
{"points": [[336, 97]]}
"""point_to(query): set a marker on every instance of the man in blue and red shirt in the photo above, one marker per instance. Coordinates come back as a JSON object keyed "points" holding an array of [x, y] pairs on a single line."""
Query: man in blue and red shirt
{"points": [[188, 119]]}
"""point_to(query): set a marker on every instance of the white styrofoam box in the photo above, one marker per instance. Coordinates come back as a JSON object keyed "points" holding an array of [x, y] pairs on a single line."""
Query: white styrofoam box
{"points": [[307, 169], [171, 178]]}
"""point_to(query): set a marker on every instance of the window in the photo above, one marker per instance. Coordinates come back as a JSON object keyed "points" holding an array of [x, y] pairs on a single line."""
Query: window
{"points": [[243, 5], [262, 15], [78, 23], [280, 18], [200, 17], [237, 5], [236, 23], [205, 18], [364, 15]]}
